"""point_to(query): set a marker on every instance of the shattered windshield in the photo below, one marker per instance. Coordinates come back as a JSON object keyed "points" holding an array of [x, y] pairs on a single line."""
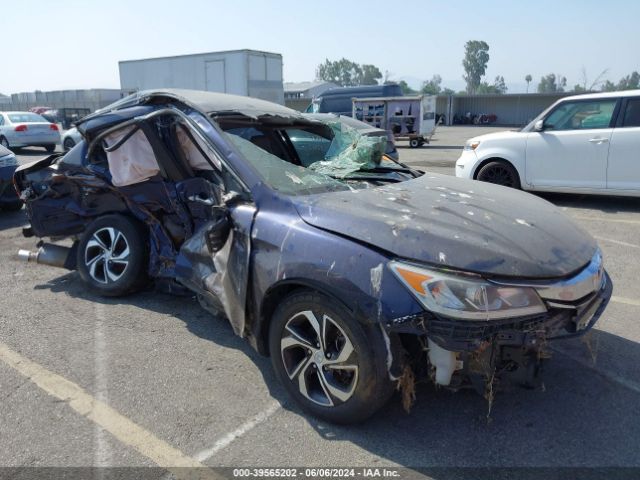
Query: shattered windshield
{"points": [[284, 176], [327, 157], [349, 152]]}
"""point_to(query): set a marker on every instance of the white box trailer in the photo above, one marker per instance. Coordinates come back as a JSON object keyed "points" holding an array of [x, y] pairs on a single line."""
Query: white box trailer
{"points": [[410, 118], [242, 72]]}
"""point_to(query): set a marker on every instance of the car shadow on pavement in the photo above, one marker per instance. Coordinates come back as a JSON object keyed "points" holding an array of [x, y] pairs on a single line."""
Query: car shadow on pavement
{"points": [[586, 415], [605, 204], [31, 152], [12, 219]]}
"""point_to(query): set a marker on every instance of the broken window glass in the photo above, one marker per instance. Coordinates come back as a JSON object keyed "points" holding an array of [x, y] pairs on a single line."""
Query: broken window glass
{"points": [[284, 176], [350, 152]]}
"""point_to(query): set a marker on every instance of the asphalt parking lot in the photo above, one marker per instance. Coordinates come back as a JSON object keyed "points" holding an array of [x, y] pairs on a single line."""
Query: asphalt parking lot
{"points": [[173, 385]]}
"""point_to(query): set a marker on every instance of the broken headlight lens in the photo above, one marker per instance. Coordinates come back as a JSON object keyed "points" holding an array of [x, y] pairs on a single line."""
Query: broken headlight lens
{"points": [[466, 297]]}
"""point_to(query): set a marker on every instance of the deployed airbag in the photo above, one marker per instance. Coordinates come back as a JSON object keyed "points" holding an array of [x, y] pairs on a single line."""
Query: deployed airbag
{"points": [[133, 161]]}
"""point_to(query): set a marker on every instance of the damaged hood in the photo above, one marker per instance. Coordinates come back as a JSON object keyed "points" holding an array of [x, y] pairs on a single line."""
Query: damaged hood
{"points": [[460, 224]]}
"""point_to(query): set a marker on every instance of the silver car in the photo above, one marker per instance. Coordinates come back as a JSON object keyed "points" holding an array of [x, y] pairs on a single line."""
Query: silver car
{"points": [[24, 129], [70, 138]]}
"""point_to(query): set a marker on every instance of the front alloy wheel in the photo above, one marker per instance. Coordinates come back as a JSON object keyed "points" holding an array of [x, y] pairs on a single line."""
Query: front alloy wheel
{"points": [[319, 358], [333, 365]]}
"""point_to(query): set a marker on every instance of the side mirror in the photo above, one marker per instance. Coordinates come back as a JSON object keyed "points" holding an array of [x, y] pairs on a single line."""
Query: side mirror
{"points": [[539, 126]]}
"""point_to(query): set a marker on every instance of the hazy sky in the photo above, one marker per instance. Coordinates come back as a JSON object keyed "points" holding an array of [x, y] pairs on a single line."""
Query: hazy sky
{"points": [[51, 45]]}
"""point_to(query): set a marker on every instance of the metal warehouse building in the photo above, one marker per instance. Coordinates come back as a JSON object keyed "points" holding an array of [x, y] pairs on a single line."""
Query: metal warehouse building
{"points": [[511, 109], [242, 72], [91, 99]]}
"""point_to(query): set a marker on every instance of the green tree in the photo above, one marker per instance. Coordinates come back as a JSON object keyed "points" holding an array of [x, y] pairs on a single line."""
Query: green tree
{"points": [[347, 73], [498, 87], [630, 82], [528, 79], [370, 74], [448, 91], [552, 83], [476, 58], [406, 89], [432, 87]]}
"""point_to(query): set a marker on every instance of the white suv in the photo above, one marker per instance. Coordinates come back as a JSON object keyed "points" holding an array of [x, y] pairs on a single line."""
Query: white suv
{"points": [[584, 143]]}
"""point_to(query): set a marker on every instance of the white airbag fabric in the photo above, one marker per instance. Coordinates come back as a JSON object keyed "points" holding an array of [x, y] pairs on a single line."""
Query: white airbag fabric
{"points": [[134, 161]]}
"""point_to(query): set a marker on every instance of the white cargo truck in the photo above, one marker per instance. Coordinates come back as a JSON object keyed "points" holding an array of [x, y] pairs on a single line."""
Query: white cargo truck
{"points": [[242, 72], [410, 118]]}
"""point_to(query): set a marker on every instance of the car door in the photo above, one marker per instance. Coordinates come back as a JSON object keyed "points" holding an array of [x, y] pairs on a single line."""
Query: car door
{"points": [[623, 170], [214, 260], [571, 150]]}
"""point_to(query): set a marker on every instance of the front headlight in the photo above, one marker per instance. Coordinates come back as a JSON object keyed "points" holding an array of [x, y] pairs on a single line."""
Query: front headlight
{"points": [[466, 297], [8, 161], [471, 145]]}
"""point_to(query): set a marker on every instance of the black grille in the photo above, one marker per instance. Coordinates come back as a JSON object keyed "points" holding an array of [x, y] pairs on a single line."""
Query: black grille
{"points": [[479, 330]]}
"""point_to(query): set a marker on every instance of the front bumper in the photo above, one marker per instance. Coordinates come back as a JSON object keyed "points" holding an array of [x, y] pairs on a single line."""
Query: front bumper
{"points": [[466, 163], [573, 319], [511, 348]]}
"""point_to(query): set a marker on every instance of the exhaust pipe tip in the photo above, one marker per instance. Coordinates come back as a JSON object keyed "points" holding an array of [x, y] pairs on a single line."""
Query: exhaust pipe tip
{"points": [[27, 255], [50, 254]]}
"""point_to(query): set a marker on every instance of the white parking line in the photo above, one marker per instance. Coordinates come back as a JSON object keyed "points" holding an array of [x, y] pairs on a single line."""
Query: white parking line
{"points": [[626, 301], [614, 377], [102, 452], [606, 219], [126, 431], [617, 242], [247, 426]]}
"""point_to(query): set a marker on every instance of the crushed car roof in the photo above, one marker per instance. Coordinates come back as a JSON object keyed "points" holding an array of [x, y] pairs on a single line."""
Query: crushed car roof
{"points": [[208, 102]]}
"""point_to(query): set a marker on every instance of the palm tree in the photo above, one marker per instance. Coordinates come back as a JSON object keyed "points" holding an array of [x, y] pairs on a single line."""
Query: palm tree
{"points": [[528, 79]]}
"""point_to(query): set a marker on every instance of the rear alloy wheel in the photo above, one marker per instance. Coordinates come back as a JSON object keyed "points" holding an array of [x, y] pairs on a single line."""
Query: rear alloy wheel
{"points": [[333, 366], [112, 255], [499, 173], [68, 144]]}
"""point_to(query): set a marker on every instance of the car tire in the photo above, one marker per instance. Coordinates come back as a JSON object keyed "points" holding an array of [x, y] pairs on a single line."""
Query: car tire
{"points": [[499, 172], [414, 143], [50, 148], [68, 144], [339, 375], [4, 142], [112, 255]]}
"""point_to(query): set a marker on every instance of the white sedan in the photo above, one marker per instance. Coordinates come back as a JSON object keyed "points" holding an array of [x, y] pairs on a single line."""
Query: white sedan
{"points": [[24, 129], [581, 144]]}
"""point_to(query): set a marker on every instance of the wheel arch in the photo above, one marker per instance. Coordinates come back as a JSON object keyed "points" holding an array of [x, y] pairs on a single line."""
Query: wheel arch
{"points": [[272, 298], [496, 158]]}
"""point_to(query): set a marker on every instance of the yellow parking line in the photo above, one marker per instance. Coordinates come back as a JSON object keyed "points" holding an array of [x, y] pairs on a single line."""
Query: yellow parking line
{"points": [[626, 301], [606, 219], [129, 433]]}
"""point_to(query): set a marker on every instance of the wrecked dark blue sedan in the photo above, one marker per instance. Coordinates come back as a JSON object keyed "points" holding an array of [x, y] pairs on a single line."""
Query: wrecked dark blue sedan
{"points": [[354, 272]]}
